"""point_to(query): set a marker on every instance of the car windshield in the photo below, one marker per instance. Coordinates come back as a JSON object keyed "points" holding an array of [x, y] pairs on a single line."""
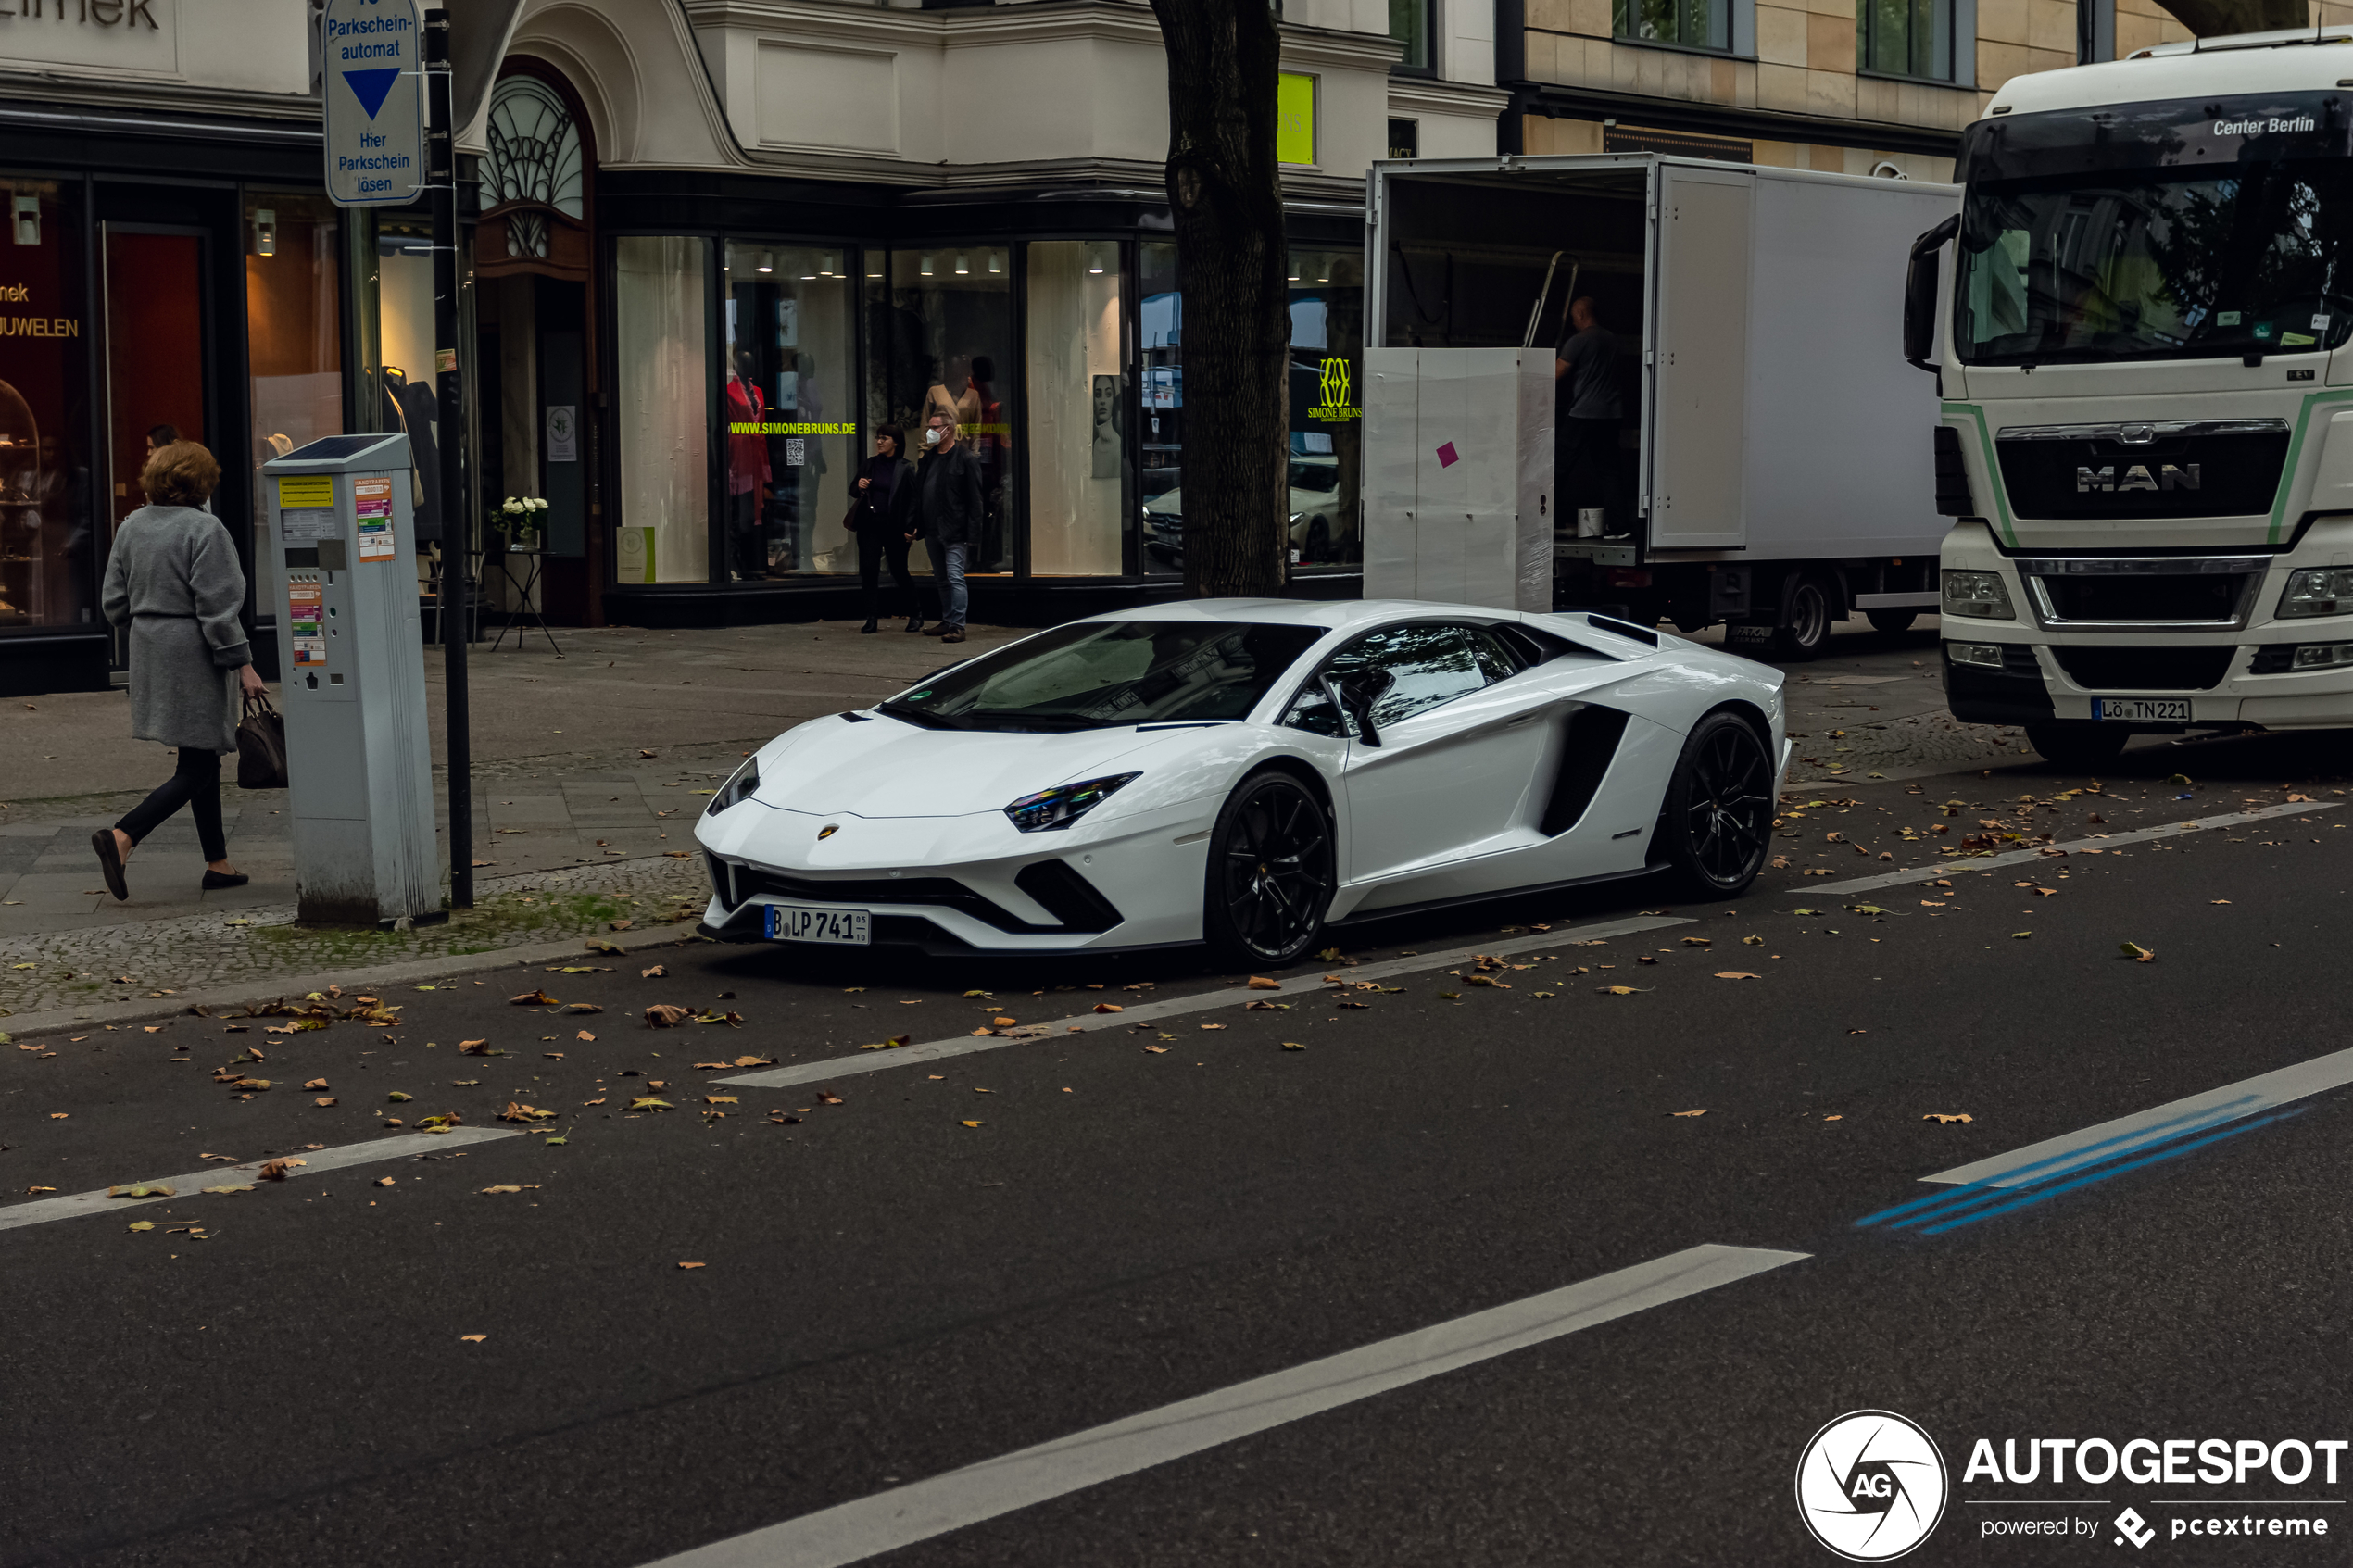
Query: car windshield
{"points": [[1322, 478], [1100, 674], [2156, 232]]}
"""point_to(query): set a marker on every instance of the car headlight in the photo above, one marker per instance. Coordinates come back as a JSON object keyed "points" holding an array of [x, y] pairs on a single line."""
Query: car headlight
{"points": [[741, 786], [2317, 592], [1064, 804], [1982, 595]]}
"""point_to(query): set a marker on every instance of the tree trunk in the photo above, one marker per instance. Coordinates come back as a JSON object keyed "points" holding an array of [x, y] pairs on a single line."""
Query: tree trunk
{"points": [[1226, 188], [2212, 19]]}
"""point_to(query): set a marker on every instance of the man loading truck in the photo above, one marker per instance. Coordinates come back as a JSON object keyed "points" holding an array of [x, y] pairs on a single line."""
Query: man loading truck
{"points": [[2139, 326]]}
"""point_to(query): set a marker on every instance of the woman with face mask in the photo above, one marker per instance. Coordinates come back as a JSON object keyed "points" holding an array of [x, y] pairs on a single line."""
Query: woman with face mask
{"points": [[884, 518]]}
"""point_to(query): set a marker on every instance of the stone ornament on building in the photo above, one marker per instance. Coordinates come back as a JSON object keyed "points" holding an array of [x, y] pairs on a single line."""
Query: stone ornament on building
{"points": [[533, 178]]}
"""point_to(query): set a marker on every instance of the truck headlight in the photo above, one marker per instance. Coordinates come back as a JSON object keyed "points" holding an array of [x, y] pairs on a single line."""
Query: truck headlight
{"points": [[1988, 655], [2317, 592], [2322, 656], [1980, 595]]}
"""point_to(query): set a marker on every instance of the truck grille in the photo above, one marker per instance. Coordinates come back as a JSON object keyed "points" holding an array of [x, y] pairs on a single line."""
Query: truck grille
{"points": [[2208, 467], [2187, 592], [2145, 670]]}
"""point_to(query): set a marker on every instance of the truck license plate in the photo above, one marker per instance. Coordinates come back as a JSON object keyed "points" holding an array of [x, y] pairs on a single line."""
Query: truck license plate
{"points": [[796, 923], [2143, 709]]}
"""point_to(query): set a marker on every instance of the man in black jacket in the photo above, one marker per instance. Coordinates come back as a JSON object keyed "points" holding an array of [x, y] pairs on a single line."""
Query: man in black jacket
{"points": [[948, 483]]}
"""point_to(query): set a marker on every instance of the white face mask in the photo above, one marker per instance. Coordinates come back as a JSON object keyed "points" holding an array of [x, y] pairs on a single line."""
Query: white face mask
{"points": [[931, 436]]}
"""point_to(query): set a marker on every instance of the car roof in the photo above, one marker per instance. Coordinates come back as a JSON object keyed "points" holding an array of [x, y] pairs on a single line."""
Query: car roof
{"points": [[1332, 615]]}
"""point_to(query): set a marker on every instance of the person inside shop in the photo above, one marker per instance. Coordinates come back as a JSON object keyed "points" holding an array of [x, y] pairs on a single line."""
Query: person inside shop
{"points": [[174, 579], [949, 508], [748, 471], [882, 516], [1588, 413]]}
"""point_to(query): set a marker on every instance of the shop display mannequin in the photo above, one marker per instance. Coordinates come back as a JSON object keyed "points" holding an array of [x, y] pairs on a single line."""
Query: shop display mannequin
{"points": [[748, 471]]}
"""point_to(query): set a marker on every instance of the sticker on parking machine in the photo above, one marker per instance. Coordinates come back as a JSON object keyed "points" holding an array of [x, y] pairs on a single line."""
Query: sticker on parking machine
{"points": [[371, 504]]}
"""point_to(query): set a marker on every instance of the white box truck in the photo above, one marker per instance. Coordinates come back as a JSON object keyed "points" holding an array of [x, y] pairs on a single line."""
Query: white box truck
{"points": [[1766, 470], [2138, 324]]}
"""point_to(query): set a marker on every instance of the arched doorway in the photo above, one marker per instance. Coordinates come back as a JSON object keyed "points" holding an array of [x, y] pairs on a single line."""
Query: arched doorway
{"points": [[535, 310]]}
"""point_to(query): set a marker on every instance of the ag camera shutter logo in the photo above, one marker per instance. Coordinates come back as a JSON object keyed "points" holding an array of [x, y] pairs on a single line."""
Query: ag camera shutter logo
{"points": [[1871, 1486]]}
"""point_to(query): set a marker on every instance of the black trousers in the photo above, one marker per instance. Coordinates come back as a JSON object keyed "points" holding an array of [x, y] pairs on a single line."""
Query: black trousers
{"points": [[876, 544], [1586, 461], [195, 783]]}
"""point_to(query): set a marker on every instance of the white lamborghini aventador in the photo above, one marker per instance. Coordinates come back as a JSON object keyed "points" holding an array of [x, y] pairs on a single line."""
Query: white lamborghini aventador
{"points": [[1249, 773]]}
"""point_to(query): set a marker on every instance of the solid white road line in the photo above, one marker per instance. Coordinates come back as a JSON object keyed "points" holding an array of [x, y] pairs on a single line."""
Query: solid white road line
{"points": [[1147, 1012], [2248, 1097], [904, 1515], [2074, 847], [315, 1161]]}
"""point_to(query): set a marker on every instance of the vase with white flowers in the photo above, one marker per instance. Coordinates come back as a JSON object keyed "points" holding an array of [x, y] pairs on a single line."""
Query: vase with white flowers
{"points": [[518, 518]]}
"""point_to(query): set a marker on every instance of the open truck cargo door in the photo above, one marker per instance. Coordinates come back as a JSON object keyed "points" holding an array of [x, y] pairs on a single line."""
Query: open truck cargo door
{"points": [[1695, 392], [1459, 476]]}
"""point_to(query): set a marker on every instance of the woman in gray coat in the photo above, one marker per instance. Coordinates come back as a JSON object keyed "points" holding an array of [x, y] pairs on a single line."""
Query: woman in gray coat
{"points": [[174, 579]]}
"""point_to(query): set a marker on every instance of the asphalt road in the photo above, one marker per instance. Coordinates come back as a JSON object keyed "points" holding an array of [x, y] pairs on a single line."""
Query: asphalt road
{"points": [[910, 1269]]}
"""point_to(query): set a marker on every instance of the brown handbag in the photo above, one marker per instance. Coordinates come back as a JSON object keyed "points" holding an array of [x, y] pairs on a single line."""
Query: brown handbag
{"points": [[261, 746]]}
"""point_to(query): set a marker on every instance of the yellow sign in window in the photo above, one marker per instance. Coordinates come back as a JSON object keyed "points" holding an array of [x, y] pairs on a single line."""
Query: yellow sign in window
{"points": [[1295, 117], [307, 490]]}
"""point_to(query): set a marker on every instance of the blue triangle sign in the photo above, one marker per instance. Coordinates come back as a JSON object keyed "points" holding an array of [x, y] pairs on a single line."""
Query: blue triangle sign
{"points": [[370, 87]]}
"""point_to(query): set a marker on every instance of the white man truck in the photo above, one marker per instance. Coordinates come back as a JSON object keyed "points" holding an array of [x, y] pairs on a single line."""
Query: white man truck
{"points": [[2139, 324]]}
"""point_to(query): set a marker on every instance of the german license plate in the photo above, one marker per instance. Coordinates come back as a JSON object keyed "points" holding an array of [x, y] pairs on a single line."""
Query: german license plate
{"points": [[2143, 709], [796, 923]]}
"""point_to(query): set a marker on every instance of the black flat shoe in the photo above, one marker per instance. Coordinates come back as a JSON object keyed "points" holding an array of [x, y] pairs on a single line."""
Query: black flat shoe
{"points": [[214, 881], [110, 863], [870, 626], [914, 623]]}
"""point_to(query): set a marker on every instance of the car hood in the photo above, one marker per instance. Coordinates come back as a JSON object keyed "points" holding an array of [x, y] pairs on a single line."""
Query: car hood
{"points": [[884, 767]]}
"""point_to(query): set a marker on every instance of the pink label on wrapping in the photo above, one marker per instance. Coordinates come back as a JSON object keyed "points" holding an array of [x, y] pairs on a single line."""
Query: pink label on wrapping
{"points": [[1447, 457]]}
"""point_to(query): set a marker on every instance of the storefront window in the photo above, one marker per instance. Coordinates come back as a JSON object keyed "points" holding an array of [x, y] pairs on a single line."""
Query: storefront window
{"points": [[293, 342], [1326, 404], [1078, 403], [392, 264], [47, 566], [1160, 453], [663, 406], [941, 335], [786, 403]]}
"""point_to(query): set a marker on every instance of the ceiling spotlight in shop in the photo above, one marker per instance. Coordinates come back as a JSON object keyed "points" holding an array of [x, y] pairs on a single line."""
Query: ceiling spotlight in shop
{"points": [[925, 267], [963, 265], [265, 232], [767, 261], [996, 264], [832, 268], [28, 214]]}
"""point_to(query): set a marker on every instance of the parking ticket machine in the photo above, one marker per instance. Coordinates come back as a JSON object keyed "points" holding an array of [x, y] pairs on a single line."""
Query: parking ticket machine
{"points": [[341, 567]]}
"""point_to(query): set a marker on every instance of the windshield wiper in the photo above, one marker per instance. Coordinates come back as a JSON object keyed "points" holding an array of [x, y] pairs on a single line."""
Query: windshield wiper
{"points": [[917, 717], [1058, 723]]}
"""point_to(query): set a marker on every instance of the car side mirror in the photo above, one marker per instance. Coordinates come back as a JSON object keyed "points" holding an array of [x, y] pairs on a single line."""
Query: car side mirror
{"points": [[1357, 694]]}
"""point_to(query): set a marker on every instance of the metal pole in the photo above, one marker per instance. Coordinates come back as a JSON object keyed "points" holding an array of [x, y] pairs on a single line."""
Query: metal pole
{"points": [[450, 399]]}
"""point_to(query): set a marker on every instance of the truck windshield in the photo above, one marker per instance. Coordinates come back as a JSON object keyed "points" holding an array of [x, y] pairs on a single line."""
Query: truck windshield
{"points": [[2157, 265], [2170, 230]]}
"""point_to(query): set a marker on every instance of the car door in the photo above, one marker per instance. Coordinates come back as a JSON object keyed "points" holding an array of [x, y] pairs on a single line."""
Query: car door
{"points": [[1449, 770]]}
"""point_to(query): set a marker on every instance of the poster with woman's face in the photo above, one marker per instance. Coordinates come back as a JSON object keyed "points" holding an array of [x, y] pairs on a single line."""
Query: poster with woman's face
{"points": [[1106, 447]]}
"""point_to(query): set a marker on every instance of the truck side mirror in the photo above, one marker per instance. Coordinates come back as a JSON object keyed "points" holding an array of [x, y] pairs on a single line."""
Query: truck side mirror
{"points": [[1921, 294]]}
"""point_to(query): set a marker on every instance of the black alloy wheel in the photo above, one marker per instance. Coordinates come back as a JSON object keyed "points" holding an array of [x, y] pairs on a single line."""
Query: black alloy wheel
{"points": [[1270, 873], [1718, 823]]}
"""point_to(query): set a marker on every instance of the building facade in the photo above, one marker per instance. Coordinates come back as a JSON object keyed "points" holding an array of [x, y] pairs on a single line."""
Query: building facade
{"points": [[1846, 86], [710, 247]]}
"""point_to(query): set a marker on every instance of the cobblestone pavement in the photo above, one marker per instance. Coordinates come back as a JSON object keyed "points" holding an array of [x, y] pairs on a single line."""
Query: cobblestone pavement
{"points": [[65, 968]]}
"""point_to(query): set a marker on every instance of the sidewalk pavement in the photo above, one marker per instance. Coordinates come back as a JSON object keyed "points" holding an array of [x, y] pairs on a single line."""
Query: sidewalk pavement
{"points": [[587, 763]]}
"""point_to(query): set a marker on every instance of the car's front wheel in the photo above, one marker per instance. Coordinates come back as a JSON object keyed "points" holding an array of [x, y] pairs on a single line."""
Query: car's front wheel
{"points": [[1718, 820], [1271, 874]]}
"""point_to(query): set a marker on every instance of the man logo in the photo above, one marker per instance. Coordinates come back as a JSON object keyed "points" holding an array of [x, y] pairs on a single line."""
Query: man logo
{"points": [[1870, 1485]]}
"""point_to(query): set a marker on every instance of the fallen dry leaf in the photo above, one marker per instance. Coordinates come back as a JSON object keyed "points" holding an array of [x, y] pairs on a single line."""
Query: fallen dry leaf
{"points": [[276, 1170], [652, 973], [972, 1123], [1260, 982], [324, 1102], [385, 1181], [1619, 990], [1109, 1006], [535, 999], [1736, 974], [1941, 1120], [662, 1015], [719, 1099], [503, 1186], [316, 1083], [1699, 1112], [474, 1338], [153, 1189], [690, 1265], [2137, 953]]}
